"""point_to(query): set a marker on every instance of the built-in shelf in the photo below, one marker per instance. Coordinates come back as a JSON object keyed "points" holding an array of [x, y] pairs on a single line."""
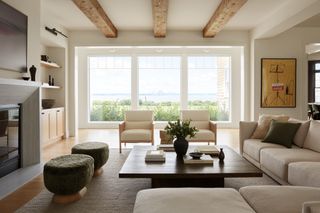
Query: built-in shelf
{"points": [[49, 64], [50, 87]]}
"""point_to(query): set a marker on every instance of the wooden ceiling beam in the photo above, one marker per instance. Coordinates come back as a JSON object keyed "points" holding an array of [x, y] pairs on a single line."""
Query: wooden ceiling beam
{"points": [[221, 16], [93, 10], [160, 12]]}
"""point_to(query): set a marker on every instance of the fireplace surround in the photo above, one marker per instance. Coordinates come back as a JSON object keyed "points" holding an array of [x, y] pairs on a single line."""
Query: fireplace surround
{"points": [[9, 139]]}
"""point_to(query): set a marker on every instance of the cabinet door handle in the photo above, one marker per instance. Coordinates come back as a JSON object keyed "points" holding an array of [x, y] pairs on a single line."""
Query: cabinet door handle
{"points": [[42, 113], [58, 110]]}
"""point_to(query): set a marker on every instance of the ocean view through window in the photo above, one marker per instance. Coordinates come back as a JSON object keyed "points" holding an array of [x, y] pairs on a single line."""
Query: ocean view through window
{"points": [[159, 86], [209, 85], [110, 87]]}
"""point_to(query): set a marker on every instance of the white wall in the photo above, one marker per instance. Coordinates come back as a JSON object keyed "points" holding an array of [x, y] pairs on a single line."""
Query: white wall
{"points": [[31, 8], [145, 38], [290, 44]]}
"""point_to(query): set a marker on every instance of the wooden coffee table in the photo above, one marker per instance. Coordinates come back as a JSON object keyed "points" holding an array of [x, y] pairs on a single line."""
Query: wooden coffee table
{"points": [[174, 173]]}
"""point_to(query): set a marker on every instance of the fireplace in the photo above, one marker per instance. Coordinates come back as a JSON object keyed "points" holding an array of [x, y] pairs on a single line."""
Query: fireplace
{"points": [[10, 151]]}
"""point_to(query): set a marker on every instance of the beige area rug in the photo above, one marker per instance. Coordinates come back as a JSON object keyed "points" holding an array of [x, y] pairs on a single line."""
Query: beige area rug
{"points": [[108, 193]]}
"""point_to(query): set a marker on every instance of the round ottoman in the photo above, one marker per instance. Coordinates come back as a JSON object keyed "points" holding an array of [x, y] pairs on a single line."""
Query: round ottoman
{"points": [[99, 151], [66, 176]]}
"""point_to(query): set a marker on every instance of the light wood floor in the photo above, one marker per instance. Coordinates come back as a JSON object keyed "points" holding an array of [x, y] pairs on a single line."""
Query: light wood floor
{"points": [[21, 196]]}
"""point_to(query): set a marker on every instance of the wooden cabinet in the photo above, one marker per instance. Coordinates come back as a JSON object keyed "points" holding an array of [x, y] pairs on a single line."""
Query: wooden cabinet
{"points": [[60, 122], [45, 126], [52, 125]]}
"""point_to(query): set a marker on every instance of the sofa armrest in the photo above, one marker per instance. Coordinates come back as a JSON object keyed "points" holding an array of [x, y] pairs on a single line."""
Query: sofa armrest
{"points": [[213, 128], [246, 128], [311, 207]]}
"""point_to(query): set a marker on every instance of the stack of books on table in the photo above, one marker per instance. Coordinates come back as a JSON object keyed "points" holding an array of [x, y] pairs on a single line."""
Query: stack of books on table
{"points": [[205, 159], [207, 150], [155, 156], [166, 147]]}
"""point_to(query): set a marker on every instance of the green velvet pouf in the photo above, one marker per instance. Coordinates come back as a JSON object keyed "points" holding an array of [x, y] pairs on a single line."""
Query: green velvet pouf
{"points": [[99, 151], [68, 174]]}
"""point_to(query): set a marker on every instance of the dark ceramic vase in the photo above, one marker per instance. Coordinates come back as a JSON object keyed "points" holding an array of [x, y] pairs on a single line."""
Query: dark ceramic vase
{"points": [[221, 154], [33, 71], [180, 146]]}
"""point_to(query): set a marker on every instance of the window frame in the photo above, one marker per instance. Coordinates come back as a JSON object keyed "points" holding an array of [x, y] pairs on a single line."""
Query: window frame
{"points": [[235, 53], [312, 80]]}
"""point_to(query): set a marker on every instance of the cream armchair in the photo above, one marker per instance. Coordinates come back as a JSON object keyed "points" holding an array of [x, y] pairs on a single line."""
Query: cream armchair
{"points": [[201, 120], [137, 127]]}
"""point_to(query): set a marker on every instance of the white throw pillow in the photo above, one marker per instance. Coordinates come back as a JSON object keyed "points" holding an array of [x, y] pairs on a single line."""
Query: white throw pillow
{"points": [[264, 124], [302, 132], [313, 137]]}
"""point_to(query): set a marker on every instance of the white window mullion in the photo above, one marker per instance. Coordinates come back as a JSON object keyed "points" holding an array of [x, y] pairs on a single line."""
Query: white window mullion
{"points": [[134, 82], [184, 82]]}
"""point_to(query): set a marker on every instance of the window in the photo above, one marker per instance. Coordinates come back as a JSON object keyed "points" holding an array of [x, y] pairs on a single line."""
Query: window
{"points": [[209, 85], [110, 87], [314, 82], [159, 86], [317, 83]]}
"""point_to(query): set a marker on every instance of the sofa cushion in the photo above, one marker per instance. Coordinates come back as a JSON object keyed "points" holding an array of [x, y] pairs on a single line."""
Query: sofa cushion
{"points": [[312, 140], [278, 199], [277, 160], [302, 132], [203, 135], [264, 123], [138, 125], [311, 207], [304, 174], [182, 200], [281, 133], [252, 147], [136, 135]]}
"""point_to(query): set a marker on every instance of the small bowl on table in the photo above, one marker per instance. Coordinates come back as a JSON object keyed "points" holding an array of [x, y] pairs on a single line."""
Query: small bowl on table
{"points": [[196, 155]]}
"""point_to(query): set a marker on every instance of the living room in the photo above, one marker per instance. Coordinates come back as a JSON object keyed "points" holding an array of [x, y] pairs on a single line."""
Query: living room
{"points": [[92, 61]]}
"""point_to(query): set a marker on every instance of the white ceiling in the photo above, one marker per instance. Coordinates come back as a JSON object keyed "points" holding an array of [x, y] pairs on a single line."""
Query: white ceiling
{"points": [[137, 14]]}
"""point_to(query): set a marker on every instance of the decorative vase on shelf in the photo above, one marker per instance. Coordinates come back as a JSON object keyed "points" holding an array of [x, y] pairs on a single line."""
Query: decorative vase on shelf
{"points": [[221, 154], [180, 146], [33, 71]]}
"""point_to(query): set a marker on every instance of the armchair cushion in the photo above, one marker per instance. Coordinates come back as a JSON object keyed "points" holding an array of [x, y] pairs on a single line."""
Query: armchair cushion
{"points": [[138, 125], [195, 115], [203, 135], [200, 124], [139, 115], [136, 135]]}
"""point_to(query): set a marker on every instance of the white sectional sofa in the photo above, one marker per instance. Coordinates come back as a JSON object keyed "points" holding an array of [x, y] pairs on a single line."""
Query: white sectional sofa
{"points": [[298, 165], [250, 199]]}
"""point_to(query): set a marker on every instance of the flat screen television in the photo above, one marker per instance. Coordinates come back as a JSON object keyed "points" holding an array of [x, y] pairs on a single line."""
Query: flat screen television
{"points": [[13, 39]]}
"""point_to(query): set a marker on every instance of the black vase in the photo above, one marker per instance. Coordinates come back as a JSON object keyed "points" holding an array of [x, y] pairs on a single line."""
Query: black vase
{"points": [[33, 71], [221, 154], [181, 146]]}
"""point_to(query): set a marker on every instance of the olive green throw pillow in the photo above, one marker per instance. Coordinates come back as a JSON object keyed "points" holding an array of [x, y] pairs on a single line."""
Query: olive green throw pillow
{"points": [[281, 133]]}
